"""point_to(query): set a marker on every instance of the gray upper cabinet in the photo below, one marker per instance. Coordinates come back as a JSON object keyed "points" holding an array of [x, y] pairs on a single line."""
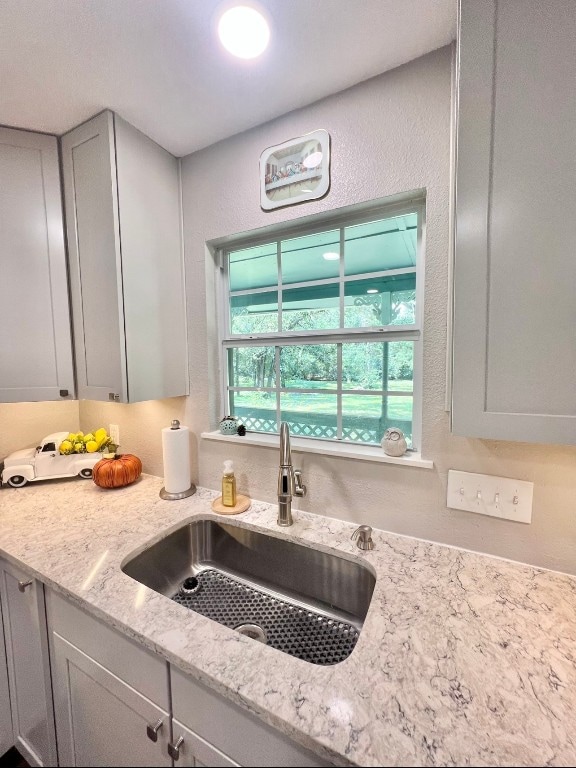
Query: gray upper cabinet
{"points": [[123, 211], [514, 372], [35, 342]]}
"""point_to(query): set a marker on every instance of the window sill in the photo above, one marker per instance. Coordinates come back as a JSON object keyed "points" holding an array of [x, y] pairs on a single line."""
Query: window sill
{"points": [[325, 448]]}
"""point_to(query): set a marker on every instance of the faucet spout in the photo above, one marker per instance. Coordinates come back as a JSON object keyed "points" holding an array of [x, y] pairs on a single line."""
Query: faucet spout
{"points": [[285, 452], [289, 479]]}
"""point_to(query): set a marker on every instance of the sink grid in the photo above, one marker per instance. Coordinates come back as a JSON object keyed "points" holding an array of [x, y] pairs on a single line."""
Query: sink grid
{"points": [[303, 633]]}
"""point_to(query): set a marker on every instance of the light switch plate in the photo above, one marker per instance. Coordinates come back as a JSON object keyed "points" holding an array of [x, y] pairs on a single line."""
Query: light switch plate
{"points": [[490, 495]]}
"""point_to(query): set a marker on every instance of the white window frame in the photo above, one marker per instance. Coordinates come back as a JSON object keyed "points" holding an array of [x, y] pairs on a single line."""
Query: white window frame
{"points": [[342, 218]]}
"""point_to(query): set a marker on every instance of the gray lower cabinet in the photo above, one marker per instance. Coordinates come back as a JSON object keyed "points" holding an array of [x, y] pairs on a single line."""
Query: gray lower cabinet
{"points": [[35, 342], [111, 696], [6, 735], [192, 751], [118, 704], [102, 720], [123, 218], [216, 732], [515, 271], [27, 654]]}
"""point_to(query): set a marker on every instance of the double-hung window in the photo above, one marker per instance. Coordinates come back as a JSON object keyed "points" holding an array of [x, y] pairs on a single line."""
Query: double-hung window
{"points": [[321, 327]]}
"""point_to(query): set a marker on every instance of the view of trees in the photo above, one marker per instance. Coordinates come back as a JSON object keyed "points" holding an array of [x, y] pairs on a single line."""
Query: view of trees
{"points": [[373, 264], [365, 365]]}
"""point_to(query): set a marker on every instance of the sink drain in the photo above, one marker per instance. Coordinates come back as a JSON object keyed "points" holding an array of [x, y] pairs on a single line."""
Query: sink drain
{"points": [[309, 635], [253, 631], [190, 586]]}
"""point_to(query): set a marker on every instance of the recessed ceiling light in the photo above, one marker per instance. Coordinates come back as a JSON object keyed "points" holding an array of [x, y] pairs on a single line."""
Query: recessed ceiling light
{"points": [[244, 32], [372, 290], [329, 256]]}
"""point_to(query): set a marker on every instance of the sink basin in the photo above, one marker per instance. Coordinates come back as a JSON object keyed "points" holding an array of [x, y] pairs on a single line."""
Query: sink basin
{"points": [[301, 601]]}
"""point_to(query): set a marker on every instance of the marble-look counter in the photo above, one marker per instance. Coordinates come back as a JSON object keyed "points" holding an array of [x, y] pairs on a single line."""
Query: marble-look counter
{"points": [[464, 659]]}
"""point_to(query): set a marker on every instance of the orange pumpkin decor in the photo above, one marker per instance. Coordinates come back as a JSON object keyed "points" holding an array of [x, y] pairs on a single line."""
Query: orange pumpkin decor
{"points": [[117, 471]]}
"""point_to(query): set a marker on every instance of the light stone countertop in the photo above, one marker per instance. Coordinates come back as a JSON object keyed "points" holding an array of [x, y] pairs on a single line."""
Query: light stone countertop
{"points": [[464, 659]]}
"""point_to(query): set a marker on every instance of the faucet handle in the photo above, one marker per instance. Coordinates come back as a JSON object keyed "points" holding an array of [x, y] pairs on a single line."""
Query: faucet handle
{"points": [[299, 487], [364, 536]]}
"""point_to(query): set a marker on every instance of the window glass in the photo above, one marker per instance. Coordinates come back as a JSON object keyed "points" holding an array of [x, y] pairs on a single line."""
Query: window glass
{"points": [[255, 409], [378, 301], [365, 418], [312, 308], [322, 364], [252, 367], [309, 366], [310, 415], [313, 257], [380, 245], [386, 366], [254, 313], [253, 267]]}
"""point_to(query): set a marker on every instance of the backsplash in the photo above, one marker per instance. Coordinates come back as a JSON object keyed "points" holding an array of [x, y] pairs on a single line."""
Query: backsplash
{"points": [[140, 427], [25, 424]]}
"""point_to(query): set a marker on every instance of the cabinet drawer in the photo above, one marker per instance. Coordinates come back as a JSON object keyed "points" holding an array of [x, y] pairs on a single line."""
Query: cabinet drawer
{"points": [[137, 666], [241, 736]]}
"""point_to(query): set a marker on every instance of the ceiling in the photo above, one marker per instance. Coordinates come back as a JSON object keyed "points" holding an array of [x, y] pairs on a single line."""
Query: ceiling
{"points": [[159, 64]]}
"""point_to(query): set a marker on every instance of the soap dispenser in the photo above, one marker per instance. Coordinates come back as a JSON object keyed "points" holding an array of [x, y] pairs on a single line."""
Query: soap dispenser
{"points": [[228, 485]]}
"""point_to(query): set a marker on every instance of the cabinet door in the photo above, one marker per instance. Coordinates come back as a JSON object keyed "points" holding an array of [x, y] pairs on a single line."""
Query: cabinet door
{"points": [[215, 731], [194, 751], [90, 192], [6, 737], [35, 343], [101, 720], [515, 271], [28, 666], [152, 266]]}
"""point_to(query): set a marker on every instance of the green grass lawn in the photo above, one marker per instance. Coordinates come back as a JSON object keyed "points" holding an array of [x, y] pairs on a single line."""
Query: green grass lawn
{"points": [[368, 406]]}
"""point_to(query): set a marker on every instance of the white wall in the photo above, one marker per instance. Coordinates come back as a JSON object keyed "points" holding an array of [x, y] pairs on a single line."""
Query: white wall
{"points": [[25, 424], [389, 135], [140, 426]]}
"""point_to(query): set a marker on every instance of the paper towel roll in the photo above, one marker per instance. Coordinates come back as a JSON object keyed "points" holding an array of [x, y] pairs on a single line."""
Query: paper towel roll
{"points": [[176, 456]]}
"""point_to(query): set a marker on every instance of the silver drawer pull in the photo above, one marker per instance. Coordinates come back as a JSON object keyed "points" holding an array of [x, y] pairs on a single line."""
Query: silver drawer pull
{"points": [[22, 585], [152, 730], [174, 749]]}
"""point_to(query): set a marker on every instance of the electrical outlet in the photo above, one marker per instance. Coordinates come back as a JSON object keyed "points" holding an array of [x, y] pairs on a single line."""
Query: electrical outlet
{"points": [[114, 432], [489, 495]]}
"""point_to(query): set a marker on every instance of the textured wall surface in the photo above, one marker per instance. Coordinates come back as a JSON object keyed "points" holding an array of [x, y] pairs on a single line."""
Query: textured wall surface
{"points": [[25, 424], [140, 427], [389, 135]]}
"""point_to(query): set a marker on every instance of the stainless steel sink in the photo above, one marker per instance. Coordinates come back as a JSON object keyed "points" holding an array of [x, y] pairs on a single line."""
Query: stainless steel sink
{"points": [[308, 603]]}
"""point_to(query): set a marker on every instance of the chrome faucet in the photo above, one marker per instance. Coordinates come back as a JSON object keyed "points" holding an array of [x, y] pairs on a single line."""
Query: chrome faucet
{"points": [[289, 479]]}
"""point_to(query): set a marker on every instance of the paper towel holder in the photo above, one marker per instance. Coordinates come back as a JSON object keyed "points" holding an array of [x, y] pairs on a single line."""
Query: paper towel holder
{"points": [[164, 494], [175, 496]]}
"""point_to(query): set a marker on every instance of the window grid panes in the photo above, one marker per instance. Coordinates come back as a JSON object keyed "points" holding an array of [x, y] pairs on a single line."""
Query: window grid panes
{"points": [[369, 383], [360, 276], [337, 291]]}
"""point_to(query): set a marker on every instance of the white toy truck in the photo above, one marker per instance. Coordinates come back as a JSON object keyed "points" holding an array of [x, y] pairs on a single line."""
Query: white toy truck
{"points": [[46, 462]]}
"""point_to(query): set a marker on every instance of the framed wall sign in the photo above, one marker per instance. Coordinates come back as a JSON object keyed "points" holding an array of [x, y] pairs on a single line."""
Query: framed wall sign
{"points": [[295, 171]]}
